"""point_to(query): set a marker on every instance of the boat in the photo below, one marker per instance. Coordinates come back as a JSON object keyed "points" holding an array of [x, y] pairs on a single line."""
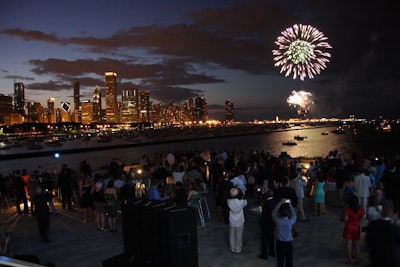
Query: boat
{"points": [[338, 130], [325, 133], [300, 138], [289, 143]]}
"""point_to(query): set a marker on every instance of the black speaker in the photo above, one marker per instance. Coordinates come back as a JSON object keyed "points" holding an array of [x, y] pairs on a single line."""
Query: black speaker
{"points": [[179, 237], [151, 231]]}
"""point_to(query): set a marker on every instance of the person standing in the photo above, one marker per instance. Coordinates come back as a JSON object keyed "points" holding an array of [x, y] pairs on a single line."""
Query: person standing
{"points": [[352, 229], [319, 195], [65, 185], [42, 214], [267, 225], [19, 189], [298, 183], [363, 188], [223, 190], [111, 197], [383, 239], [284, 217], [236, 205]]}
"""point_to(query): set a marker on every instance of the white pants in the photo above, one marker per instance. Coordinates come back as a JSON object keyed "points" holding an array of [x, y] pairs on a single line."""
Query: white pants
{"points": [[236, 238], [300, 209]]}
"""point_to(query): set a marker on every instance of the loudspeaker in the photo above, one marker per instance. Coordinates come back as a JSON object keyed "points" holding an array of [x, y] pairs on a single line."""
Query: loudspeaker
{"points": [[179, 237], [151, 230]]}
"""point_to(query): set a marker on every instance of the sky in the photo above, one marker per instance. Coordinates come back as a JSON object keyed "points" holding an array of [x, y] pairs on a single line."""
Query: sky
{"points": [[220, 50]]}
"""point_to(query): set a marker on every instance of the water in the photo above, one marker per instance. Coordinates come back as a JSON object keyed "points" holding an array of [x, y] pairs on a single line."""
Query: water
{"points": [[315, 145]]}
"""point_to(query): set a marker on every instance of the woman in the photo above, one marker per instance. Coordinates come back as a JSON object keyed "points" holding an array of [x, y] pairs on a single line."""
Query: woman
{"points": [[111, 205], [352, 228], [319, 195], [236, 219], [99, 204], [85, 189]]}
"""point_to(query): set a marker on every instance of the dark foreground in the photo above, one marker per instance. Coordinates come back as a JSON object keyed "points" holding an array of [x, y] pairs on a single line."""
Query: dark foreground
{"points": [[73, 243]]}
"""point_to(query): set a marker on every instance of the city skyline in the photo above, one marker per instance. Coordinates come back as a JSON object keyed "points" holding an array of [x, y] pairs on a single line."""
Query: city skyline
{"points": [[218, 50]]}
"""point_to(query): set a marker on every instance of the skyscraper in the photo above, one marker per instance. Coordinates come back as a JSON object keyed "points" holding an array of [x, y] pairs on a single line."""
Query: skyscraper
{"points": [[201, 109], [19, 98], [77, 100], [129, 109], [87, 112], [144, 106], [51, 111], [96, 104], [112, 112], [229, 110]]}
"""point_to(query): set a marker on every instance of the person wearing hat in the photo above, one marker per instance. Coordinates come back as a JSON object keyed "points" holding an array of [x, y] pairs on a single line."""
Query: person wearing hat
{"points": [[383, 239], [236, 219]]}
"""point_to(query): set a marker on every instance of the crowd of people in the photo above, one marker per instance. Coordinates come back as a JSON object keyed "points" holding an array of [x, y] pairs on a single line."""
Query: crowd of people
{"points": [[367, 192]]}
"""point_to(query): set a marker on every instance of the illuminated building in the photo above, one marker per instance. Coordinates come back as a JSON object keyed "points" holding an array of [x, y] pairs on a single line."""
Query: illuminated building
{"points": [[35, 112], [87, 112], [184, 112], [65, 112], [112, 112], [96, 105], [129, 105], [144, 106], [77, 103], [157, 114], [51, 117], [19, 98], [172, 115], [229, 111], [201, 109], [6, 108]]}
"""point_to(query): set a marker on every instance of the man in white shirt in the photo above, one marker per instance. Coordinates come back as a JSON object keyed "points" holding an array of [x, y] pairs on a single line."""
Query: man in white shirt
{"points": [[363, 188], [298, 183]]}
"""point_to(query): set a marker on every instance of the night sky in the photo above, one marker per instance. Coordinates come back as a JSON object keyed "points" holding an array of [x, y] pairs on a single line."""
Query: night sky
{"points": [[221, 50]]}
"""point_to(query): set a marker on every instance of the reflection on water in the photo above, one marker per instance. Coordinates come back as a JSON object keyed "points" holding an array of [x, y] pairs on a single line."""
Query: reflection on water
{"points": [[315, 145]]}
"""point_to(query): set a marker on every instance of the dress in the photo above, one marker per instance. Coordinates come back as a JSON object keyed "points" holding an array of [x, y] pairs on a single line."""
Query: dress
{"points": [[86, 201], [319, 195], [352, 227], [111, 205]]}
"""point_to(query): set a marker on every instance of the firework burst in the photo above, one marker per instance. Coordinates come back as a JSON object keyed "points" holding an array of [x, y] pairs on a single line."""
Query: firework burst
{"points": [[301, 101], [301, 51]]}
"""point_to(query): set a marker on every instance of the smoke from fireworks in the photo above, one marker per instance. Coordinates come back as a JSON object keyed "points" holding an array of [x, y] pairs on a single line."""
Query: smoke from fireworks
{"points": [[301, 51], [301, 101]]}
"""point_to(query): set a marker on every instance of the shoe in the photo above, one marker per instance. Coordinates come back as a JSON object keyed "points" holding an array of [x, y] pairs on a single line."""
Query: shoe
{"points": [[263, 257], [363, 229], [102, 229]]}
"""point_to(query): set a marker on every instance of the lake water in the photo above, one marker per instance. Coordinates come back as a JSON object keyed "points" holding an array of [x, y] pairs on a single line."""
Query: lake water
{"points": [[315, 145]]}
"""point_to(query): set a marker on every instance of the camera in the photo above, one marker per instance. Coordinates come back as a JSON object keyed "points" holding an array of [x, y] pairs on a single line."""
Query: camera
{"points": [[287, 201]]}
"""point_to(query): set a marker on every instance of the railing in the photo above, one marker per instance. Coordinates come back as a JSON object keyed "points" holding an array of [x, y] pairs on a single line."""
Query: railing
{"points": [[6, 261]]}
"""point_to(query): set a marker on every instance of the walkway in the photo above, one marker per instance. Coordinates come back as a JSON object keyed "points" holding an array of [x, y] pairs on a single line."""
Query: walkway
{"points": [[73, 243]]}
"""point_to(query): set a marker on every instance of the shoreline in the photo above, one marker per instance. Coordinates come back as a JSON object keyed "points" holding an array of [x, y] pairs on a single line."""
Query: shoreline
{"points": [[149, 142]]}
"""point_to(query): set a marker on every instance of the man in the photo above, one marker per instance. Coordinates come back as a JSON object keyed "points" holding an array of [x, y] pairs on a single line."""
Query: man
{"points": [[284, 217], [65, 185], [42, 214], [363, 188], [383, 239], [298, 183], [267, 225], [19, 189]]}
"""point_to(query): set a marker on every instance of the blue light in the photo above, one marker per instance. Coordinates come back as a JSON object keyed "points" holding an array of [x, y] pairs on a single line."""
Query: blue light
{"points": [[56, 155]]}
